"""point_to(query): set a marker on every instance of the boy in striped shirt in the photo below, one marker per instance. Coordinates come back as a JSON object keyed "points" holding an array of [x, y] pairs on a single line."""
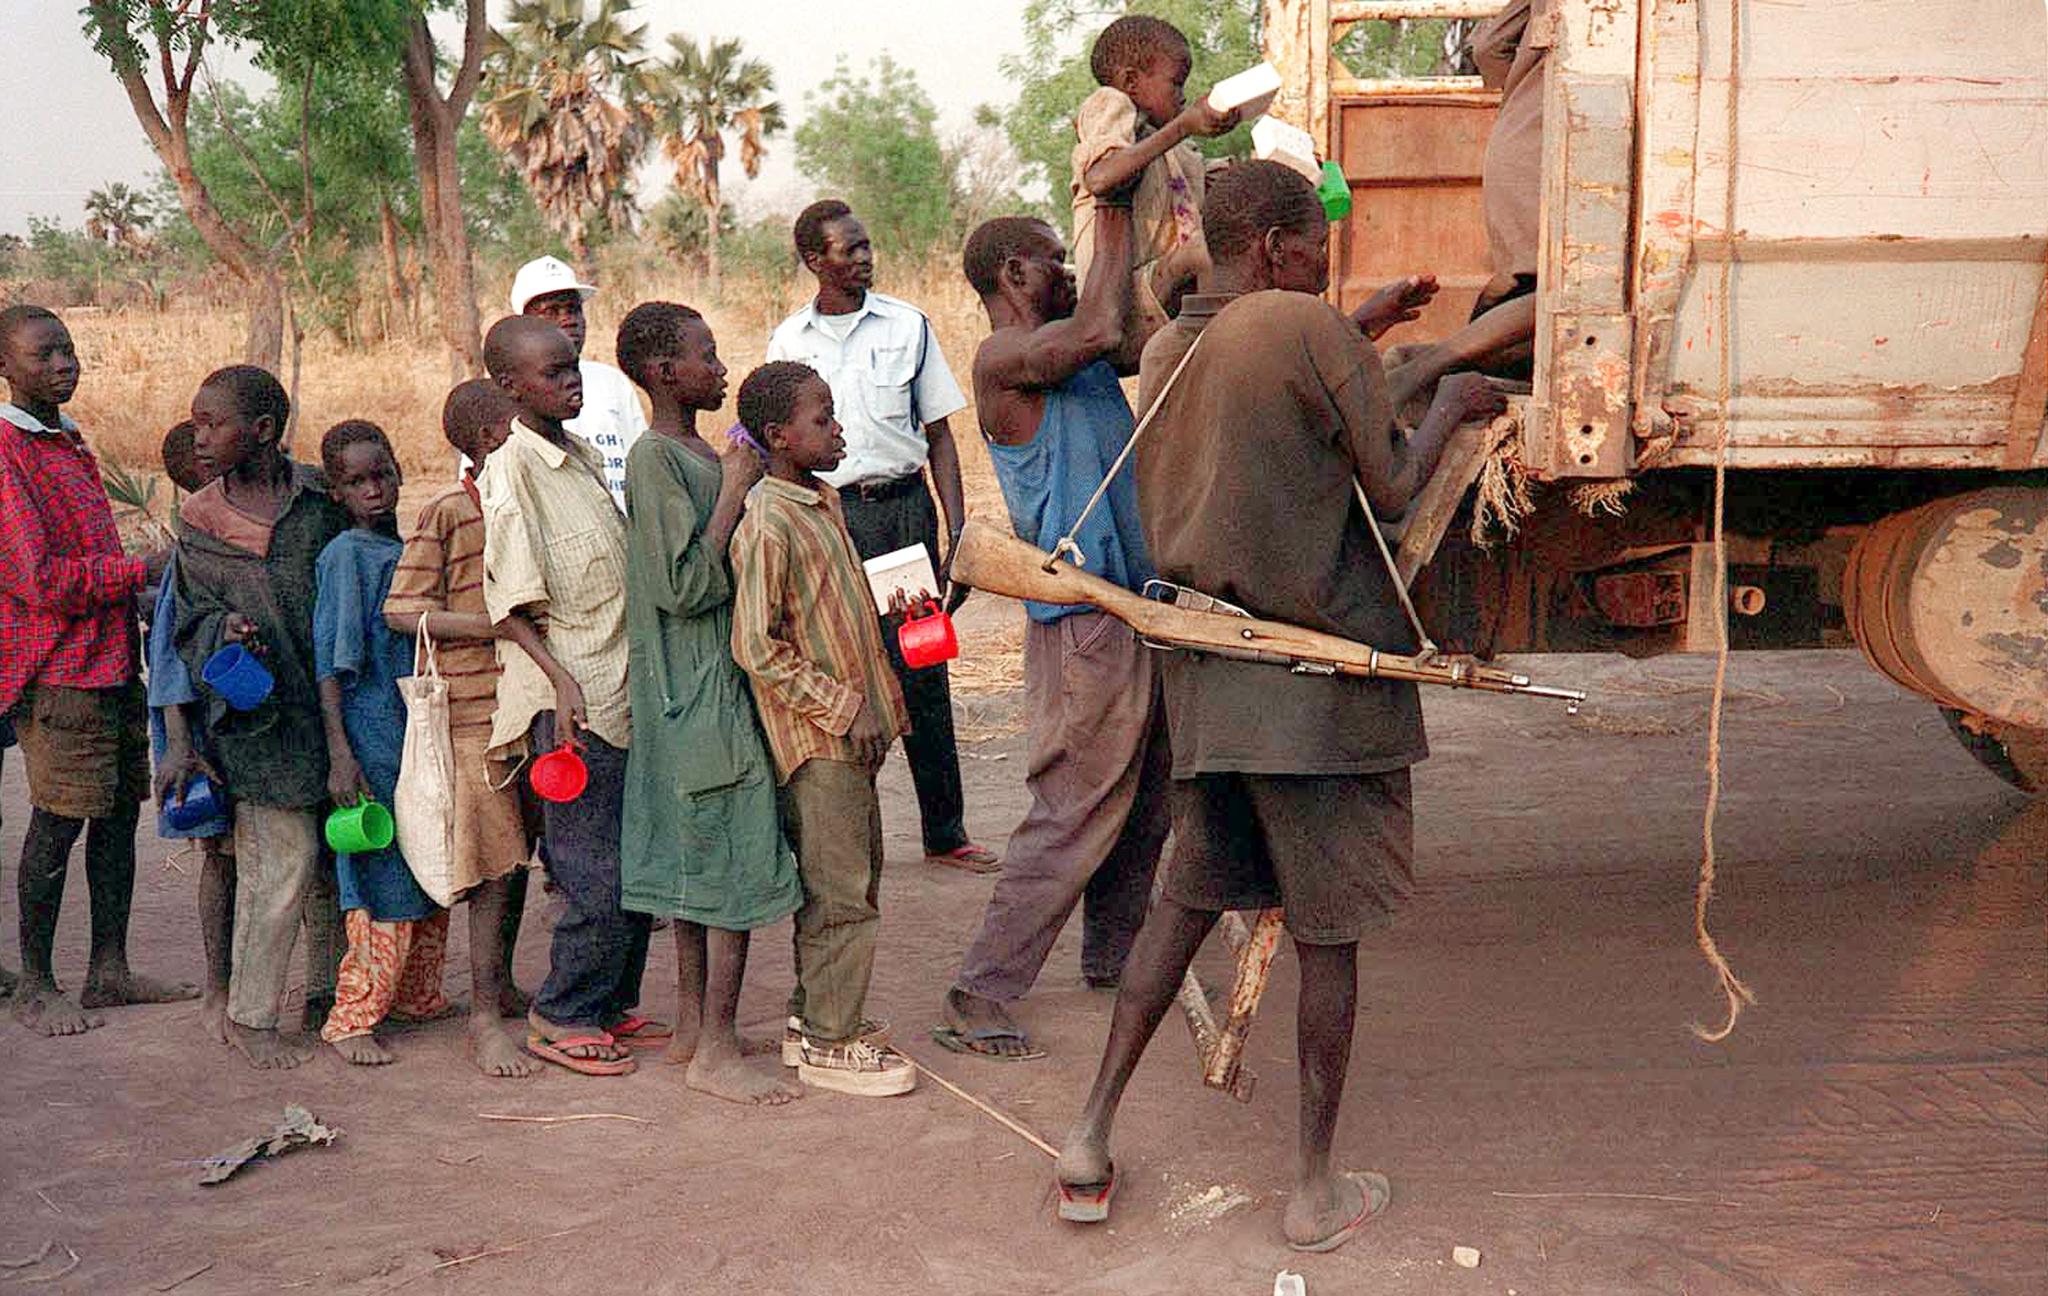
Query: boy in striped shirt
{"points": [[805, 632]]}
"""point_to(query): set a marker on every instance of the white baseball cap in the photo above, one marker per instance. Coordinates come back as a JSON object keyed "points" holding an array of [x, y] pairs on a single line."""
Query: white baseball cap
{"points": [[544, 275]]}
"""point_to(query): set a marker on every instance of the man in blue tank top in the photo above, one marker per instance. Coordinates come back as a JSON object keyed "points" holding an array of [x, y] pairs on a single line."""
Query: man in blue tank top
{"points": [[1046, 394]]}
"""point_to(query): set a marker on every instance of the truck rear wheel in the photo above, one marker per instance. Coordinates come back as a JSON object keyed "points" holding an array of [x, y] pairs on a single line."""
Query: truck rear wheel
{"points": [[2019, 756], [1951, 600]]}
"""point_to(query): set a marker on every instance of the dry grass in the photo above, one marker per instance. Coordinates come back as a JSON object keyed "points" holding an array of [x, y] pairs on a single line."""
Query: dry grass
{"points": [[142, 366]]}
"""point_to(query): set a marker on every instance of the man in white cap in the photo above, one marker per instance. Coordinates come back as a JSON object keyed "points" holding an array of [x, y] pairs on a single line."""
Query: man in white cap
{"points": [[612, 418]]}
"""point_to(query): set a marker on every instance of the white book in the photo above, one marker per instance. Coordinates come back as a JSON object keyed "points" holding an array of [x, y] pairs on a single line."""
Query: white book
{"points": [[1277, 141], [907, 571], [1250, 91]]}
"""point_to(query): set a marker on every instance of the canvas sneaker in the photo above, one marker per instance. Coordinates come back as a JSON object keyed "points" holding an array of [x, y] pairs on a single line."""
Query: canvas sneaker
{"points": [[856, 1066], [876, 1032]]}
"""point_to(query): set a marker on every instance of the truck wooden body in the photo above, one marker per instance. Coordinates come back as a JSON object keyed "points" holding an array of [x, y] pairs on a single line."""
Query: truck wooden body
{"points": [[1804, 243]]}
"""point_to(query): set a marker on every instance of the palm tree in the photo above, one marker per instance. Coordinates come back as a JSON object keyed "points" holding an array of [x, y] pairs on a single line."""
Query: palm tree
{"points": [[570, 105], [704, 91], [118, 214]]}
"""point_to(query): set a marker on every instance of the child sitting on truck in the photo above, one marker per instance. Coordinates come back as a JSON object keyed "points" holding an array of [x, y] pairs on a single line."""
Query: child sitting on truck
{"points": [[1138, 123]]}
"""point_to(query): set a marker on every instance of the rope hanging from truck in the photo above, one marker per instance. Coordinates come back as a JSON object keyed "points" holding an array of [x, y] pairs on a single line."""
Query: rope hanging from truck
{"points": [[1732, 987]]}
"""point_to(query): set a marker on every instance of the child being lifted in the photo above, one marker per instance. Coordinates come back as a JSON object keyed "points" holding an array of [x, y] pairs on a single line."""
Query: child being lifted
{"points": [[1138, 124]]}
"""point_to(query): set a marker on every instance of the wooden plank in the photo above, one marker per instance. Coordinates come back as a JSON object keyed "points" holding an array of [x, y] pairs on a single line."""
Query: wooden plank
{"points": [[1945, 457], [2026, 436], [1350, 87], [1295, 39], [1667, 119], [1354, 11], [1578, 420], [1429, 518]]}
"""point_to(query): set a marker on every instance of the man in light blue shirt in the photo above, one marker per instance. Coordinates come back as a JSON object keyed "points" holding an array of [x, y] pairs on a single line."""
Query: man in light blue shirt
{"points": [[893, 395]]}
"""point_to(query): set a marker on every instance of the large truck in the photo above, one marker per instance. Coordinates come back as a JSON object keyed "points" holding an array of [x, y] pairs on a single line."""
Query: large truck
{"points": [[1800, 246]]}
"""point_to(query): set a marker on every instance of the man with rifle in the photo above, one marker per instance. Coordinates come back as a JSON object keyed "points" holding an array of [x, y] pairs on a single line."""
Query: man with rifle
{"points": [[1288, 790]]}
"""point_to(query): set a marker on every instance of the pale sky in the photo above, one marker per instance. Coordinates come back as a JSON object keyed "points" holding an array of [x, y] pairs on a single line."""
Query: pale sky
{"points": [[70, 128]]}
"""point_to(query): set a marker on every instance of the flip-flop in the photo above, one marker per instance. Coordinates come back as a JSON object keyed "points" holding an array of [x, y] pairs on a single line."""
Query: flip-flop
{"points": [[955, 1040], [1378, 1194], [557, 1052], [969, 858], [1086, 1203], [635, 1030]]}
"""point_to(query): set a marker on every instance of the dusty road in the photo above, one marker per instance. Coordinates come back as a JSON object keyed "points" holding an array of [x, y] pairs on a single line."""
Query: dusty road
{"points": [[1523, 1072]]}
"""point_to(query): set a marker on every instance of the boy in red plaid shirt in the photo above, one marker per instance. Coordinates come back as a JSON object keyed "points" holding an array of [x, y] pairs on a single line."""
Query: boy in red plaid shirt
{"points": [[68, 677]]}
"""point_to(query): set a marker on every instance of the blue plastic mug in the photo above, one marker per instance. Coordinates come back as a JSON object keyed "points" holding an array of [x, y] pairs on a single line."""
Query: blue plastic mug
{"points": [[200, 803], [238, 677]]}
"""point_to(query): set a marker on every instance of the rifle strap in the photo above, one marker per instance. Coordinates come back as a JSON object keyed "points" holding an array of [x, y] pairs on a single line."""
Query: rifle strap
{"points": [[1425, 646]]}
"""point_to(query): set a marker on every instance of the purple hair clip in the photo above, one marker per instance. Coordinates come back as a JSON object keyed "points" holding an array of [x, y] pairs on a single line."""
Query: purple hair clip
{"points": [[739, 436]]}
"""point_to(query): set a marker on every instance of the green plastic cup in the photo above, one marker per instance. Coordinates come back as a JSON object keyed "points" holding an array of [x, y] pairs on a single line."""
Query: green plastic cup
{"points": [[364, 826], [1335, 192]]}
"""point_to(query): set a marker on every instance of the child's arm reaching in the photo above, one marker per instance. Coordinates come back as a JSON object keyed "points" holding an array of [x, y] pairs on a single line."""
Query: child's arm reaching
{"points": [[1119, 169]]}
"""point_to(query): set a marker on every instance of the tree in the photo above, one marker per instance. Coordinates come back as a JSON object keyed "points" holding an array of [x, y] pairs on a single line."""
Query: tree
{"points": [[173, 35], [702, 92], [677, 226], [872, 143], [570, 106], [436, 117], [118, 215]]}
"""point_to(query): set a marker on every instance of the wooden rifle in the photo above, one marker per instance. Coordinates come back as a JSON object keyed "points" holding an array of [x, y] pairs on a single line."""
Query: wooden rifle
{"points": [[992, 560]]}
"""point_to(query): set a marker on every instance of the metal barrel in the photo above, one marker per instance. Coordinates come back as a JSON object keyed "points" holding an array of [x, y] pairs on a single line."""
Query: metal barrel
{"points": [[1950, 600]]}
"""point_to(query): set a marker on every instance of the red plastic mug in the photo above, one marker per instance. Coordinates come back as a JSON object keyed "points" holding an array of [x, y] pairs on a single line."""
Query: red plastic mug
{"points": [[926, 637], [559, 775]]}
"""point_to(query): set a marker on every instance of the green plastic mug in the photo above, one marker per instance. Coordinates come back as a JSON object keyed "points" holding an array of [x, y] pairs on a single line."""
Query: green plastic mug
{"points": [[364, 826]]}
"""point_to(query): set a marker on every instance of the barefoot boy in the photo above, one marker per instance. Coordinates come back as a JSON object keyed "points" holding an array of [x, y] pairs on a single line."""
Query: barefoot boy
{"points": [[172, 715], [1136, 127], [703, 844], [555, 556], [805, 632], [397, 935], [1288, 790], [441, 577], [68, 676], [1056, 420], [247, 546]]}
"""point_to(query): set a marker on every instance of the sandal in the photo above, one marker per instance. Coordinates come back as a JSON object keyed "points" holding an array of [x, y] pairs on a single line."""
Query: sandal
{"points": [[968, 858], [634, 1030], [1378, 1193], [1086, 1203], [969, 1042], [557, 1052]]}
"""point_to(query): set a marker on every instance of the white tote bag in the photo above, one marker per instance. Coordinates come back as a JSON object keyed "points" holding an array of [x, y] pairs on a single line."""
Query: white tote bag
{"points": [[424, 803]]}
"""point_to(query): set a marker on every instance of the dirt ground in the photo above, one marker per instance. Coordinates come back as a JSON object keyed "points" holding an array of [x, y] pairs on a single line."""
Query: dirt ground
{"points": [[1523, 1069]]}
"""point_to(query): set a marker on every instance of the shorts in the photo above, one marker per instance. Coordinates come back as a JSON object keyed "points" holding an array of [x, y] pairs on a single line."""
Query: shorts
{"points": [[86, 750], [1336, 852]]}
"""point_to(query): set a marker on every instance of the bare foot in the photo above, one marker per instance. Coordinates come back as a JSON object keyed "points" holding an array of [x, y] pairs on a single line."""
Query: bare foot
{"points": [[1323, 1215], [496, 1053], [682, 1050], [725, 1074], [43, 1008], [1084, 1161], [263, 1048], [512, 1001], [363, 1050], [118, 986], [213, 1016]]}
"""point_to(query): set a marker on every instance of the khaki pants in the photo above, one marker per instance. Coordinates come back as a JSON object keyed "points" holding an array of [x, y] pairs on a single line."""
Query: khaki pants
{"points": [[1098, 816], [279, 884], [834, 822]]}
